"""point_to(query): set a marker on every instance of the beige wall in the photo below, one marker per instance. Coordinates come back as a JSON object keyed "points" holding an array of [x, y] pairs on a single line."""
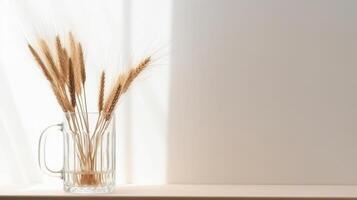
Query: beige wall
{"points": [[263, 92]]}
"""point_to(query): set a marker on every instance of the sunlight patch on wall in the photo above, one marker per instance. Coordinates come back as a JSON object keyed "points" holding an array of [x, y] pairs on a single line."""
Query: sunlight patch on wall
{"points": [[150, 35]]}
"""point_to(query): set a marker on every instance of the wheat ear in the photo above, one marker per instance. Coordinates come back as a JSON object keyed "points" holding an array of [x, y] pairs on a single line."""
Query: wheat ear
{"points": [[81, 63], [72, 87], [114, 101], [133, 73], [62, 59], [40, 63], [75, 63], [46, 51], [101, 91]]}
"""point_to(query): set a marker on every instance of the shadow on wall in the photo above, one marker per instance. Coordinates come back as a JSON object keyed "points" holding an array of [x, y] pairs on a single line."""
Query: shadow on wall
{"points": [[263, 92]]}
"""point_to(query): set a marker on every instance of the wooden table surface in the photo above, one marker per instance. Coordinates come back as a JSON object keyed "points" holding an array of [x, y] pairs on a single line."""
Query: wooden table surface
{"points": [[212, 192]]}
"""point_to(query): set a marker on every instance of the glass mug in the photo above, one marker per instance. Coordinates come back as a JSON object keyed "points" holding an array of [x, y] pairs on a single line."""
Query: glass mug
{"points": [[89, 153]]}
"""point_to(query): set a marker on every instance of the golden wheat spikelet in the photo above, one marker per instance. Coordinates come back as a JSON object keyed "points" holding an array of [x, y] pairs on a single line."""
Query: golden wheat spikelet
{"points": [[40, 63], [76, 64], [101, 91], [134, 72], [51, 63], [72, 85], [114, 102], [81, 63], [62, 60]]}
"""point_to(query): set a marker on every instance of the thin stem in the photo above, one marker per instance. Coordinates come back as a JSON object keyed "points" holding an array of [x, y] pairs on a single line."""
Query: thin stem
{"points": [[103, 126], [81, 113], [76, 133], [84, 117], [99, 121], [85, 105]]}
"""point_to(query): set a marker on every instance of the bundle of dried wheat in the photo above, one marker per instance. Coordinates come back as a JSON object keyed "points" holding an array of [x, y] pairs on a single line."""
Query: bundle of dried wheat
{"points": [[65, 70]]}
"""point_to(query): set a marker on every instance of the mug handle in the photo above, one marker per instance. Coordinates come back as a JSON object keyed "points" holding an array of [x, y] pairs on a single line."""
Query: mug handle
{"points": [[42, 152]]}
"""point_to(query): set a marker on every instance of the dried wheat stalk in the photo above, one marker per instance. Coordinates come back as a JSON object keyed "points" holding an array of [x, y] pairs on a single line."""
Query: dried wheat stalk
{"points": [[81, 63], [71, 85], [101, 91], [40, 63], [62, 59], [122, 84], [133, 73]]}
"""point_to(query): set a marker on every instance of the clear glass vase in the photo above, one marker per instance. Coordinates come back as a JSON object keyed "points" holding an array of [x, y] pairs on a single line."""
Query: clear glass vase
{"points": [[89, 152]]}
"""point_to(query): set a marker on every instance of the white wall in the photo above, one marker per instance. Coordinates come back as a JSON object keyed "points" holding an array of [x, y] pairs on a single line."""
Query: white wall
{"points": [[263, 92], [259, 92]]}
